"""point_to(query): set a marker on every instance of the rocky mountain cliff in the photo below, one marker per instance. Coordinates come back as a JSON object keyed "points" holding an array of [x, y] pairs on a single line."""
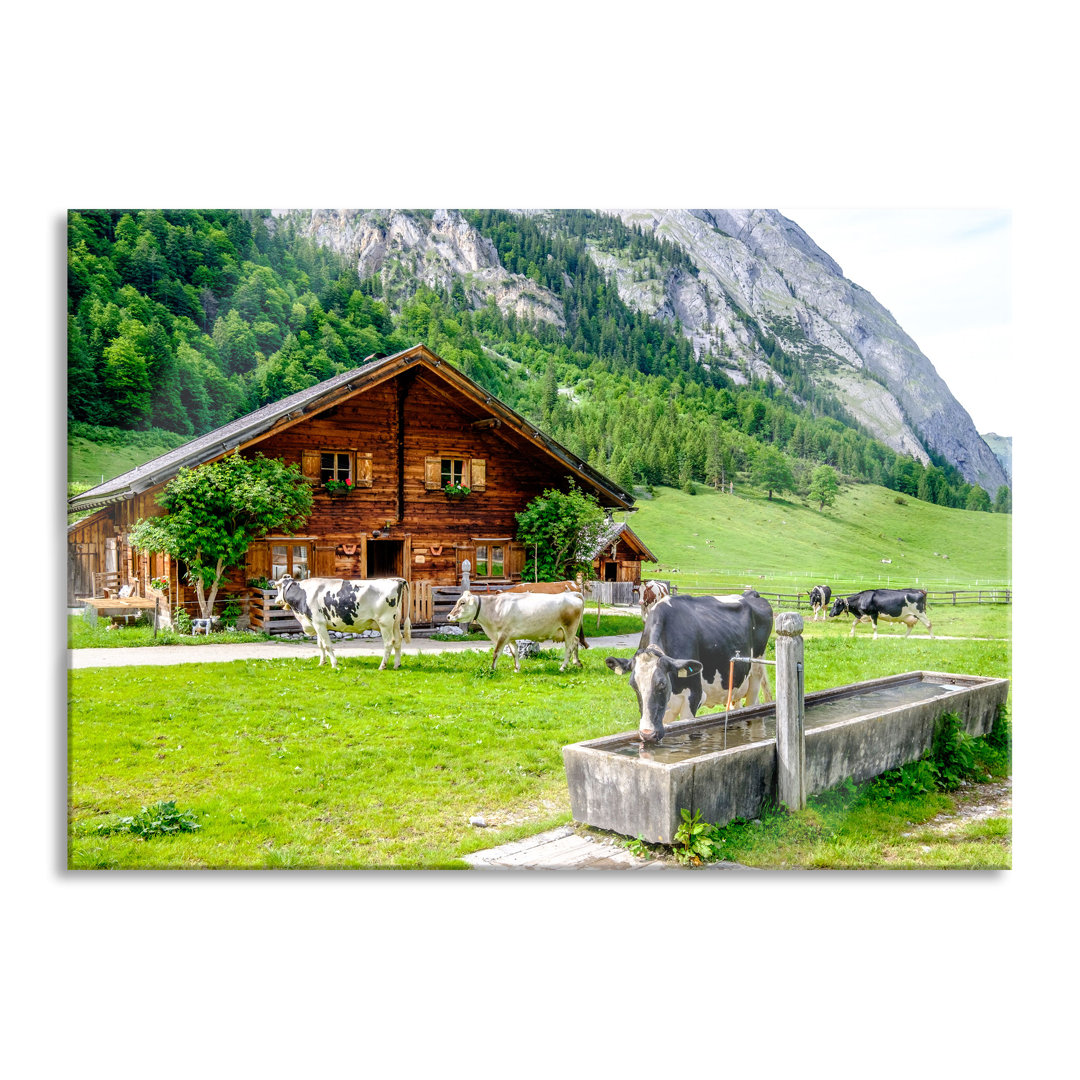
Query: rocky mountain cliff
{"points": [[761, 285]]}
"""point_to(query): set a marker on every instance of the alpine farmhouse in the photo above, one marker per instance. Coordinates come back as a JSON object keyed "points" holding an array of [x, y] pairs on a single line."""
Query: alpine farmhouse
{"points": [[400, 430]]}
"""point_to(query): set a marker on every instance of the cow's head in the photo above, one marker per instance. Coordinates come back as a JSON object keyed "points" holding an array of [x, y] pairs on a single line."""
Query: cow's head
{"points": [[466, 609], [282, 585], [655, 678], [838, 608]]}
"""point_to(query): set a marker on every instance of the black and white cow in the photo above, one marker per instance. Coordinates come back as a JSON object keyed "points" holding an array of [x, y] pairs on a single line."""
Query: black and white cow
{"points": [[891, 605], [684, 657], [509, 617], [819, 601], [324, 604]]}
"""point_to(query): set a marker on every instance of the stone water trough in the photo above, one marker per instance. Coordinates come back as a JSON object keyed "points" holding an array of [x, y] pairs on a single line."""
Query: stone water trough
{"points": [[730, 765]]}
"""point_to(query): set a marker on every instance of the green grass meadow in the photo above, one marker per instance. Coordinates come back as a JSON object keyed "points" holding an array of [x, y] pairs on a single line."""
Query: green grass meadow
{"points": [[784, 544], [285, 764]]}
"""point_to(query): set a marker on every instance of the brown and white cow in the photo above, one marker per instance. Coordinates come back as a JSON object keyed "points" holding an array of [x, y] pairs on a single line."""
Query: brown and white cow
{"points": [[651, 592], [324, 604], [554, 587], [508, 617]]}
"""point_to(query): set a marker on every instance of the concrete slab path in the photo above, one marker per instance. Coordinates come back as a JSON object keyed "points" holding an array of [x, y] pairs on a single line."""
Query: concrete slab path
{"points": [[293, 650], [567, 849]]}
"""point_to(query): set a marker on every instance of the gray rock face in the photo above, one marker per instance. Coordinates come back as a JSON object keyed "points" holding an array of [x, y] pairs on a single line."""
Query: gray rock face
{"points": [[762, 263], [406, 247], [751, 263]]}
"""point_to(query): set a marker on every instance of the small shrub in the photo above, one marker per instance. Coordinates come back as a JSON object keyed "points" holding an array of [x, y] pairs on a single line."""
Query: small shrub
{"points": [[1000, 735], [181, 621], [161, 819], [951, 755], [230, 613], [693, 843], [900, 500]]}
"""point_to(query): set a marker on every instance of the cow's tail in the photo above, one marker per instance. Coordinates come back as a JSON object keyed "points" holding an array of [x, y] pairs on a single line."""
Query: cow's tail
{"points": [[405, 599]]}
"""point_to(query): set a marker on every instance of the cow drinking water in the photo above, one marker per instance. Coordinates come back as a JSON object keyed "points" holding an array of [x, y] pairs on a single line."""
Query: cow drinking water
{"points": [[509, 617], [892, 605], [684, 658], [324, 604]]}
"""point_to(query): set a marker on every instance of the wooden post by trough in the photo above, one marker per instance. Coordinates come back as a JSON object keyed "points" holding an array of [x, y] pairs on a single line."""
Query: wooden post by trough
{"points": [[790, 714]]}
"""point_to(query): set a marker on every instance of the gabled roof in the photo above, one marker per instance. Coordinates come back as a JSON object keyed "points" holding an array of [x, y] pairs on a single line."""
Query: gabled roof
{"points": [[250, 429], [620, 531]]}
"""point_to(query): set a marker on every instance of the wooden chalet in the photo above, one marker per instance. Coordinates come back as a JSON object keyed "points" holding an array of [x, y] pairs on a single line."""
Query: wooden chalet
{"points": [[401, 429]]}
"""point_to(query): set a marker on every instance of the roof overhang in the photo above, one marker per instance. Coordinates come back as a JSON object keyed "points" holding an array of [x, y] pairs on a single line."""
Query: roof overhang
{"points": [[248, 430]]}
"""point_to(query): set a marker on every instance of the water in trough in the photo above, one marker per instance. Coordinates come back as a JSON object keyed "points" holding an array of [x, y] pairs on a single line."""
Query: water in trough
{"points": [[675, 747]]}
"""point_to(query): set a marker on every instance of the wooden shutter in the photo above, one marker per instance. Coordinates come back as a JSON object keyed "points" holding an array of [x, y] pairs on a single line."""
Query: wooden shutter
{"points": [[433, 473], [324, 560], [461, 553], [257, 561], [364, 472], [477, 474], [311, 464], [515, 563]]}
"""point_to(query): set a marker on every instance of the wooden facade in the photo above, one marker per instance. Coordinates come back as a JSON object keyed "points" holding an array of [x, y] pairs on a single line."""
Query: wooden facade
{"points": [[398, 433]]}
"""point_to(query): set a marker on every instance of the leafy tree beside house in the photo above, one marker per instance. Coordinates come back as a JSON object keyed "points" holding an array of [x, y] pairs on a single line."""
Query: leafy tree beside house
{"points": [[559, 531], [214, 512]]}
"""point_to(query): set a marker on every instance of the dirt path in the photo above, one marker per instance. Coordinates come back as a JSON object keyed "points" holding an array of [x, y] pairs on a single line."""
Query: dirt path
{"points": [[976, 802]]}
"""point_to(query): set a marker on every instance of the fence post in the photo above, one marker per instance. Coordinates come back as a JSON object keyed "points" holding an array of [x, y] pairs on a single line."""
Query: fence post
{"points": [[790, 714]]}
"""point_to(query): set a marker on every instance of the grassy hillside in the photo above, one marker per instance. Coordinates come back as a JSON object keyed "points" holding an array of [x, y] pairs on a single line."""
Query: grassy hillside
{"points": [[746, 539], [89, 460]]}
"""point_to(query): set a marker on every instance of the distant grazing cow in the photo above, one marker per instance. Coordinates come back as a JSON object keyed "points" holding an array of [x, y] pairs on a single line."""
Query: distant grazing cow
{"points": [[508, 617], [651, 592], [819, 601], [892, 605], [684, 658], [324, 604], [554, 587]]}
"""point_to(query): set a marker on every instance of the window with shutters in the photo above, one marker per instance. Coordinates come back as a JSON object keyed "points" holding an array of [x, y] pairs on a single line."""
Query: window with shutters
{"points": [[337, 468], [455, 471]]}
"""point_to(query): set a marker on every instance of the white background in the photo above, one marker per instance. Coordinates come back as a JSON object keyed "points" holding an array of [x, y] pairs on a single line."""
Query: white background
{"points": [[834, 105]]}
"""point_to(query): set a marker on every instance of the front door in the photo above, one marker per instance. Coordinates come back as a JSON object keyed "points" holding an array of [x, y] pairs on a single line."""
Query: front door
{"points": [[385, 558]]}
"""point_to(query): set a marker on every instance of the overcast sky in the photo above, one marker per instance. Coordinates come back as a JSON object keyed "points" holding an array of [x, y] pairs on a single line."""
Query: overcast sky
{"points": [[945, 276]]}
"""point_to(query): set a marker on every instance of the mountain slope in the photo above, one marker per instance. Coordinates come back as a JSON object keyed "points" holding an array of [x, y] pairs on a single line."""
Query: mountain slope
{"points": [[754, 294], [761, 264]]}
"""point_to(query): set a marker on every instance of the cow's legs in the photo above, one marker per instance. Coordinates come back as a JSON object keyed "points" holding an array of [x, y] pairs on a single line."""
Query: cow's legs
{"points": [[391, 637], [762, 673], [323, 638], [500, 644], [571, 649]]}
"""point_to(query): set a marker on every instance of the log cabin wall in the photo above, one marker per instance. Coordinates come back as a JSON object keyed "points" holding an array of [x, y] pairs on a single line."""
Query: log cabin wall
{"points": [[403, 424], [394, 434]]}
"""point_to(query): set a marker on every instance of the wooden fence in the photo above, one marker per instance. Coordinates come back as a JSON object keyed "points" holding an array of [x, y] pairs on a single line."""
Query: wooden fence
{"points": [[613, 593], [794, 601]]}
